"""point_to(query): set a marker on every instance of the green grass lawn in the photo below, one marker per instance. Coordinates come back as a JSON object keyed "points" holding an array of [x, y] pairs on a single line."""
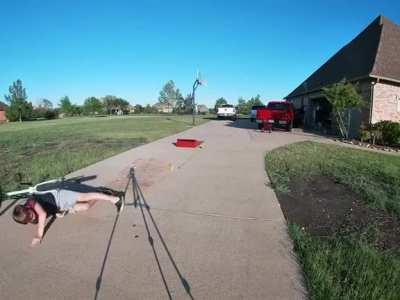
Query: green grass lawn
{"points": [[48, 149], [347, 265]]}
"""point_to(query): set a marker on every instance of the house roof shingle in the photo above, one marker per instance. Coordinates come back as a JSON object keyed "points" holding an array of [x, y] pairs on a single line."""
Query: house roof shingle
{"points": [[374, 52], [387, 62]]}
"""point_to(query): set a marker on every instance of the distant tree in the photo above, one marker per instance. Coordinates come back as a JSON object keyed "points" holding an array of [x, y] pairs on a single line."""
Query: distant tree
{"points": [[92, 105], [45, 104], [51, 114], [254, 101], [76, 110], [66, 106], [44, 110], [113, 104], [220, 101], [138, 109], [123, 105], [170, 95], [109, 103], [148, 109], [188, 104], [242, 106], [19, 108], [343, 96], [180, 104]]}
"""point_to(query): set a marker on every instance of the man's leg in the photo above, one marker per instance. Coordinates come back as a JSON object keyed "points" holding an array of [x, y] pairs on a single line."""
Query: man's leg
{"points": [[89, 197]]}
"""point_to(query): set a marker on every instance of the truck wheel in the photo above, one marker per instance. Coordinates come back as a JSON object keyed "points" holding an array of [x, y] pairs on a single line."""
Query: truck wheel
{"points": [[260, 126]]}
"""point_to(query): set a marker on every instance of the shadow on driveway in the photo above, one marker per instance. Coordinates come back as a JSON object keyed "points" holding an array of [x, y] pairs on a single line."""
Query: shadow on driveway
{"points": [[140, 201], [148, 219]]}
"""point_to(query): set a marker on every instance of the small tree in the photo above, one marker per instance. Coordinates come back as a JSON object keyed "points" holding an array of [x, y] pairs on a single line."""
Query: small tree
{"points": [[19, 108], [254, 101], [66, 106], [343, 96], [242, 106], [170, 95], [148, 109], [188, 104], [92, 105], [138, 109], [109, 103], [122, 105], [44, 110], [113, 104], [76, 110], [180, 104], [220, 101], [45, 104]]}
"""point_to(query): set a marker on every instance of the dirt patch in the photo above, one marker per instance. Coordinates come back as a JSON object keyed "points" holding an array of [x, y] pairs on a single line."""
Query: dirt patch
{"points": [[326, 208], [382, 229], [147, 172]]}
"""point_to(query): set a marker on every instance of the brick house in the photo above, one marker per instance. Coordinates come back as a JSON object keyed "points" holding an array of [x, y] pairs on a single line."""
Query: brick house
{"points": [[372, 61], [164, 108], [3, 117]]}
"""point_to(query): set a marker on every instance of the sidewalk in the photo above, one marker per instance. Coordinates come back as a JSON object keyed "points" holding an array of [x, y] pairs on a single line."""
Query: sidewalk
{"points": [[211, 229]]}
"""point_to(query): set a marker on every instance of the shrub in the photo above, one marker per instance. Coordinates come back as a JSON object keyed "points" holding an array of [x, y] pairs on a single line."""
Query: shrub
{"points": [[383, 133], [390, 132], [41, 113], [51, 114]]}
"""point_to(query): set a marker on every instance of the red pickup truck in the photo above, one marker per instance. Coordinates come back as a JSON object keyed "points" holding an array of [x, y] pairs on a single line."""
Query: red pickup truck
{"points": [[276, 114]]}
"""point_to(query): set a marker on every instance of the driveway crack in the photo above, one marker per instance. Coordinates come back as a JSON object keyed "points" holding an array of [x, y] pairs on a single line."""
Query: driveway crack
{"points": [[214, 215]]}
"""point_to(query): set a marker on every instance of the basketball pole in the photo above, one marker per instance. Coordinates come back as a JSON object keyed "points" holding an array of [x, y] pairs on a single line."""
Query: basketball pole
{"points": [[195, 85]]}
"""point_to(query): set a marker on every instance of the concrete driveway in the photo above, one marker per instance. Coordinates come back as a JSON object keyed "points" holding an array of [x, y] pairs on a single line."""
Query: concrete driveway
{"points": [[209, 227]]}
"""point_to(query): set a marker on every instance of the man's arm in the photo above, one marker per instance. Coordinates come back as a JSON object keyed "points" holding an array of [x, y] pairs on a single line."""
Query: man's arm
{"points": [[40, 225]]}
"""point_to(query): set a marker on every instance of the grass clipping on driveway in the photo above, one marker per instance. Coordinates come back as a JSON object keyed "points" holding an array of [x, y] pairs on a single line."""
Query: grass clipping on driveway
{"points": [[343, 210], [47, 149]]}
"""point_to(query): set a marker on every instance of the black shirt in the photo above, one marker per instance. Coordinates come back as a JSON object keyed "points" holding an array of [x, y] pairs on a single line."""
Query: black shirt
{"points": [[47, 202]]}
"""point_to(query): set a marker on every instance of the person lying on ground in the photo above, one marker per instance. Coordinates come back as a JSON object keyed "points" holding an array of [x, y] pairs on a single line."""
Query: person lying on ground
{"points": [[40, 206]]}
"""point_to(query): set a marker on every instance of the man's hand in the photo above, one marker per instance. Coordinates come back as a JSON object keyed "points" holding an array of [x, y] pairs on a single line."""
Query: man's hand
{"points": [[35, 241]]}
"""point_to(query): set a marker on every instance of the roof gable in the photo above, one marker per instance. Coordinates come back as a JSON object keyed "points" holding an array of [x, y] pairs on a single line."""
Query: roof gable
{"points": [[374, 52], [387, 62]]}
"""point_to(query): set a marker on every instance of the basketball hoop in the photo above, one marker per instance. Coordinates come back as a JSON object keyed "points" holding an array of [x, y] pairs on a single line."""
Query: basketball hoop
{"points": [[200, 79], [203, 82]]}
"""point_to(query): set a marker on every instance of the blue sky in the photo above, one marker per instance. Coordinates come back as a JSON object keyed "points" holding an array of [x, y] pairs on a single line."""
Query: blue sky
{"points": [[131, 48]]}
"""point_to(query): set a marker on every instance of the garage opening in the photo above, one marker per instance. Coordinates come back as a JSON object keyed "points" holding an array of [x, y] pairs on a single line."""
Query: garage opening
{"points": [[322, 115]]}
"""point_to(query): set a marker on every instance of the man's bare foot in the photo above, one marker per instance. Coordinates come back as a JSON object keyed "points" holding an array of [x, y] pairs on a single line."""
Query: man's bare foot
{"points": [[61, 214]]}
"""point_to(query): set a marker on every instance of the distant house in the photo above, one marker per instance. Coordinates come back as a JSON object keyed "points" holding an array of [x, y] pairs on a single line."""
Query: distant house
{"points": [[164, 108], [371, 60], [3, 117], [202, 109], [131, 109]]}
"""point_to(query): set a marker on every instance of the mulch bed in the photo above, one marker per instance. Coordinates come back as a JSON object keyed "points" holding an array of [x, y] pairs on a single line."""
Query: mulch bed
{"points": [[370, 146], [325, 208]]}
